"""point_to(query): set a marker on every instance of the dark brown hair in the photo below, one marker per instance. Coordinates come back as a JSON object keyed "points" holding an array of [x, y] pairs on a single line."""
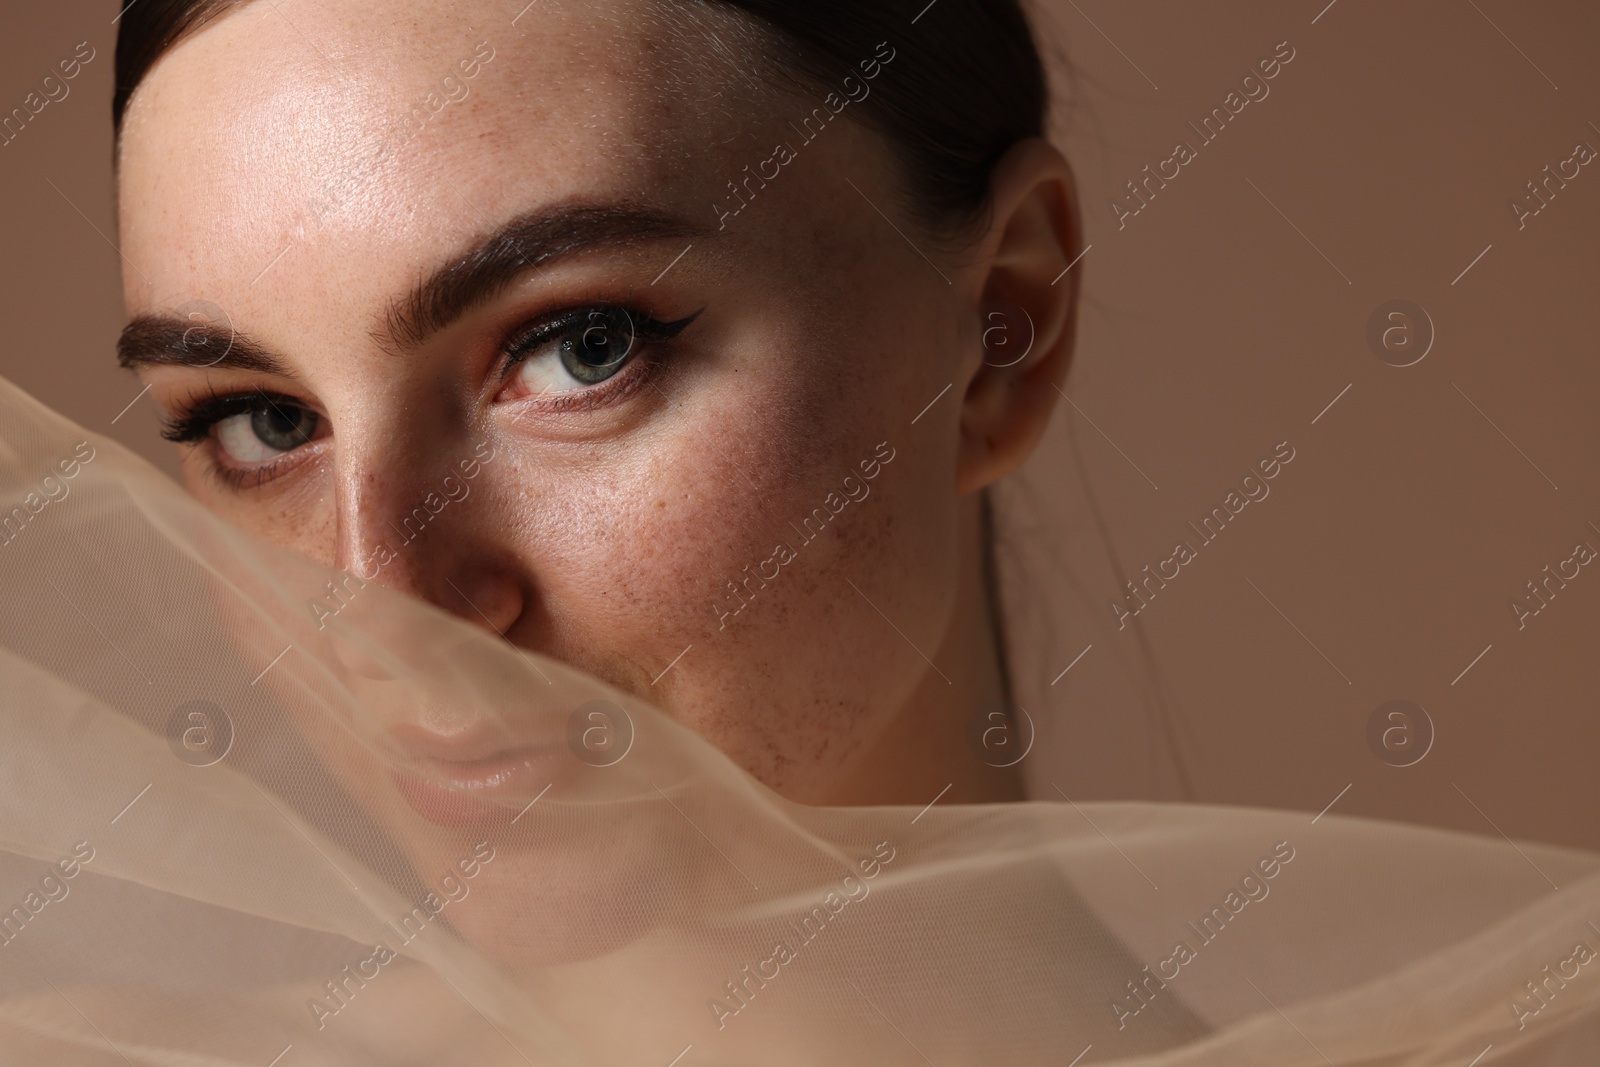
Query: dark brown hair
{"points": [[967, 79]]}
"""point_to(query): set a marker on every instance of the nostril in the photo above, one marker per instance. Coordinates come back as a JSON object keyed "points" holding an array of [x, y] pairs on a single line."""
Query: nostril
{"points": [[477, 613]]}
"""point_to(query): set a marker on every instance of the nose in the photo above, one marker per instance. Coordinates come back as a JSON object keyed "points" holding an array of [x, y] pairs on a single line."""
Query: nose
{"points": [[417, 514]]}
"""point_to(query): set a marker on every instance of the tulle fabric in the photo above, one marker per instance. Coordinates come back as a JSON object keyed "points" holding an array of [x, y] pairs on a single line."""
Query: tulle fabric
{"points": [[208, 856]]}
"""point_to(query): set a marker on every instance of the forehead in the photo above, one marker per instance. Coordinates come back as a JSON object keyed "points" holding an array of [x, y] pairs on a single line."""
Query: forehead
{"points": [[386, 132]]}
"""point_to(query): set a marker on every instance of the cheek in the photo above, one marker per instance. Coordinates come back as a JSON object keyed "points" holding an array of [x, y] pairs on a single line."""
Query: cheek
{"points": [[300, 517], [790, 666], [803, 663]]}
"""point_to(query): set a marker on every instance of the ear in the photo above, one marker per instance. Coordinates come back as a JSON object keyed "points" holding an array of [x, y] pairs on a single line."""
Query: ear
{"points": [[1027, 313]]}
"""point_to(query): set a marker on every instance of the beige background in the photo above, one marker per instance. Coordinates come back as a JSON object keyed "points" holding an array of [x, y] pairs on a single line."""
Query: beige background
{"points": [[1221, 320]]}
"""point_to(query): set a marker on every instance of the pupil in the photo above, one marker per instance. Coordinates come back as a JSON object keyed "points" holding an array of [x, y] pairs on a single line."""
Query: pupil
{"points": [[601, 347], [282, 427]]}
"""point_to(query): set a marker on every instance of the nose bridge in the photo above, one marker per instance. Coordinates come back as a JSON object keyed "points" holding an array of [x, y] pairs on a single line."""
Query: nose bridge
{"points": [[395, 486], [415, 512], [375, 488]]}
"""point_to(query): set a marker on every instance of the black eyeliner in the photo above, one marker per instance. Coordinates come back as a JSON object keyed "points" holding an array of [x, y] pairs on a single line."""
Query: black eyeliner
{"points": [[645, 327], [195, 421]]}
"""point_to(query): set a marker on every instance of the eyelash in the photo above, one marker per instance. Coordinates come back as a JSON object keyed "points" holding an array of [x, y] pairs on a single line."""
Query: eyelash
{"points": [[198, 417]]}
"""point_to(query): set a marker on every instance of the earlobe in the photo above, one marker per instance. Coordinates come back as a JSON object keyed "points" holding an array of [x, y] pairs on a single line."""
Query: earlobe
{"points": [[1026, 316]]}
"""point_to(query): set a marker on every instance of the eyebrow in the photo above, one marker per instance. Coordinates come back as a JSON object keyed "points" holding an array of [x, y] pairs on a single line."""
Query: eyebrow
{"points": [[482, 270], [169, 340], [527, 242]]}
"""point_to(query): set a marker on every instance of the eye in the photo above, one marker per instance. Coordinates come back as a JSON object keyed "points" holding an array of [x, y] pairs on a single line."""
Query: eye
{"points": [[580, 350], [266, 431]]}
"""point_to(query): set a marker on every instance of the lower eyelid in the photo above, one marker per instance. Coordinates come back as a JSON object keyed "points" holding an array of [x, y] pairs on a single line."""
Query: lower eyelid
{"points": [[641, 365], [239, 476]]}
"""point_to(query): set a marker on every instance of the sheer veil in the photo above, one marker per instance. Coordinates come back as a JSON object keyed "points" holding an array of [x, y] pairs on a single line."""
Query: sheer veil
{"points": [[211, 854]]}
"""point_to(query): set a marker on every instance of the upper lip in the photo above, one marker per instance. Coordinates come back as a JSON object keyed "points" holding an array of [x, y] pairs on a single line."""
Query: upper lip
{"points": [[474, 758], [479, 742]]}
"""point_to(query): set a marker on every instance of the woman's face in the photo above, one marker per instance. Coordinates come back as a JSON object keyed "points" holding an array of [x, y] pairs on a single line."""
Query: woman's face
{"points": [[535, 320]]}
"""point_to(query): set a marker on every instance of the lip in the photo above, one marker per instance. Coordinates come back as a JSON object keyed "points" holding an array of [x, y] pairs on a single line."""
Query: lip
{"points": [[472, 780]]}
